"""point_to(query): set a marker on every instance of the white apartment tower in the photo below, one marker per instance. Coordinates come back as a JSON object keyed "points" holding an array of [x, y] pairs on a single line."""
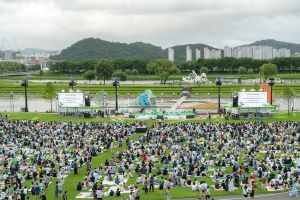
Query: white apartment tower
{"points": [[215, 54], [257, 52], [227, 51], [206, 53], [267, 52], [198, 54], [171, 55], [8, 55], [189, 53]]}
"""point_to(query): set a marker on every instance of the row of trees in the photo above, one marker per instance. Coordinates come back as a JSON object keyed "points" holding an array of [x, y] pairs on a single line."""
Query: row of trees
{"points": [[104, 69], [231, 65], [223, 65], [8, 66]]}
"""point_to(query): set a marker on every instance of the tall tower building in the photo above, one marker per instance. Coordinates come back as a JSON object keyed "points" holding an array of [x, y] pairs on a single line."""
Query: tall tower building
{"points": [[267, 52], [171, 55], [198, 54], [257, 52], [189, 54], [227, 51], [8, 55], [206, 53]]}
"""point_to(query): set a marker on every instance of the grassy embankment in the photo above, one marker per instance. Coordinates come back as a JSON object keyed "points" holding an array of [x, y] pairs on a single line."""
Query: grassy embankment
{"points": [[37, 89]]}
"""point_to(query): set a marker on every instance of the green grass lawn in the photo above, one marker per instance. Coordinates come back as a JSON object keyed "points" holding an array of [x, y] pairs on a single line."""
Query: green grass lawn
{"points": [[72, 180], [295, 116], [37, 89]]}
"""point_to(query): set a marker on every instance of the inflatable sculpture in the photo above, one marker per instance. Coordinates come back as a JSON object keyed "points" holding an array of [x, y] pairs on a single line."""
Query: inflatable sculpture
{"points": [[195, 78], [145, 99]]}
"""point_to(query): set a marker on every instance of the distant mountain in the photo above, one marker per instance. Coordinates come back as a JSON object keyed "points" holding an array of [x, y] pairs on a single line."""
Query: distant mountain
{"points": [[180, 51], [294, 47], [93, 48]]}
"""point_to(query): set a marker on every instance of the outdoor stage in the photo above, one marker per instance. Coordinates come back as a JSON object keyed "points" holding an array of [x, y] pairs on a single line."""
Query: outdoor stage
{"points": [[154, 114]]}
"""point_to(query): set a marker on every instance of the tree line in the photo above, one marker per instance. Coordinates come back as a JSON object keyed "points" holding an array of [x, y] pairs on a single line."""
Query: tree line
{"points": [[9, 66], [223, 65], [232, 65]]}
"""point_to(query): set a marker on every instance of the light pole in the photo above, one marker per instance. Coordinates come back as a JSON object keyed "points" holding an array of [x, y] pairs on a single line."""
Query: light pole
{"points": [[104, 103], [218, 84], [11, 95], [25, 85], [56, 97], [72, 83], [116, 84], [128, 98], [271, 84]]}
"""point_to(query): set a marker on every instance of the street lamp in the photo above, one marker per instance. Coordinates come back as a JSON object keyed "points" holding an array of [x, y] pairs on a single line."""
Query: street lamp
{"points": [[11, 95], [116, 84], [25, 85], [72, 83], [218, 84], [271, 83]]}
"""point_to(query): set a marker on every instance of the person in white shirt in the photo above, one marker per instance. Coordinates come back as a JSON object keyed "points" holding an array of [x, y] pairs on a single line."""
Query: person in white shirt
{"points": [[99, 194], [131, 196]]}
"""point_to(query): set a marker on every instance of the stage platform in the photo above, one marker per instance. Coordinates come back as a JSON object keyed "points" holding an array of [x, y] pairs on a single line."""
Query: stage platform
{"points": [[161, 115]]}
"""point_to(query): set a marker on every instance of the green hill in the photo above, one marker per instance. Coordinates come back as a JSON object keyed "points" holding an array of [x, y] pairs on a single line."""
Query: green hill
{"points": [[92, 48], [294, 47]]}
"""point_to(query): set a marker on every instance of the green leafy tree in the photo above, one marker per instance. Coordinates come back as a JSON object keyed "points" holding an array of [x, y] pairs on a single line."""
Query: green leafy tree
{"points": [[89, 75], [288, 94], [49, 93], [203, 70], [268, 70], [9, 66], [135, 72], [242, 70], [250, 71], [104, 69], [128, 71], [121, 74], [163, 68]]}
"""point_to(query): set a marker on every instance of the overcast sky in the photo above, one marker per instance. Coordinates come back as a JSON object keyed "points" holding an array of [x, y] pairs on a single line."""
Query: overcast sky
{"points": [[56, 24]]}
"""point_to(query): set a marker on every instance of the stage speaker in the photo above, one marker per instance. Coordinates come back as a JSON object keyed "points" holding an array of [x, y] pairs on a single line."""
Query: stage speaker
{"points": [[235, 101], [87, 101]]}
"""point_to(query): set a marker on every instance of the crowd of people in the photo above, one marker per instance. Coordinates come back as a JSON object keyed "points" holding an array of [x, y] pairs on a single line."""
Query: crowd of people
{"points": [[203, 157], [32, 153], [195, 157]]}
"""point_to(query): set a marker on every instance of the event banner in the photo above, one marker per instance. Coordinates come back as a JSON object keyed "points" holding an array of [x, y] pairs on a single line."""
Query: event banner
{"points": [[252, 99], [71, 100]]}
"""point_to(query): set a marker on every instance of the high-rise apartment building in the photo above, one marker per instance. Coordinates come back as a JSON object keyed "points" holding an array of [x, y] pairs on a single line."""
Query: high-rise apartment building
{"points": [[198, 54], [189, 54], [8, 55], [171, 55], [227, 51], [206, 53]]}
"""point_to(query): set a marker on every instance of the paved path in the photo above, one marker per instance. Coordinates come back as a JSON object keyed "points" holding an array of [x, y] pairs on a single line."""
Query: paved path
{"points": [[275, 196]]}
